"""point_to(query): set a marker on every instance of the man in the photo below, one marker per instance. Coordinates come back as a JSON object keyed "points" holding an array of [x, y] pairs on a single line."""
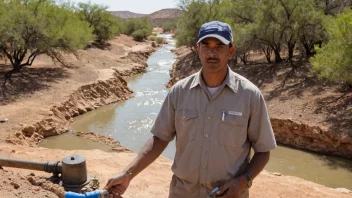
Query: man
{"points": [[217, 116]]}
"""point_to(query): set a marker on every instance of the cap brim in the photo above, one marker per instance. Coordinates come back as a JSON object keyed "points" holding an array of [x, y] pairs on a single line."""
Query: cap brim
{"points": [[222, 39]]}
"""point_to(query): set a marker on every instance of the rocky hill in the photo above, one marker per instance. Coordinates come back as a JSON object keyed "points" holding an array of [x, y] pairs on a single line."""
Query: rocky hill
{"points": [[127, 14], [170, 13], [157, 18]]}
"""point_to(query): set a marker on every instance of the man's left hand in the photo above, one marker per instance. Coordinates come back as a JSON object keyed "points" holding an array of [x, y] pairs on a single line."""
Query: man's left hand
{"points": [[233, 188]]}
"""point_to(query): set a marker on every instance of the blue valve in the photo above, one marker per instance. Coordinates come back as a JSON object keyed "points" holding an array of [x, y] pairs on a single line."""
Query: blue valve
{"points": [[94, 194]]}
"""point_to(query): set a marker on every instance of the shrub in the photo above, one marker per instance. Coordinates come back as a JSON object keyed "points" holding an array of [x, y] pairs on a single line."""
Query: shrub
{"points": [[159, 40], [151, 38], [140, 35]]}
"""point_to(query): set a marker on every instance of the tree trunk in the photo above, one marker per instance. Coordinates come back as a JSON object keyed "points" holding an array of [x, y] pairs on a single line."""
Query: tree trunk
{"points": [[244, 59], [309, 49], [278, 58], [291, 48], [267, 51]]}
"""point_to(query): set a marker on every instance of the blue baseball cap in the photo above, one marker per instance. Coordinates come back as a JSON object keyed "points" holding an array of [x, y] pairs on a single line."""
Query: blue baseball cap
{"points": [[216, 29]]}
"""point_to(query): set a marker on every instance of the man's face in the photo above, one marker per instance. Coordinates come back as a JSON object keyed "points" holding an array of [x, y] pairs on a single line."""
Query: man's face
{"points": [[214, 54]]}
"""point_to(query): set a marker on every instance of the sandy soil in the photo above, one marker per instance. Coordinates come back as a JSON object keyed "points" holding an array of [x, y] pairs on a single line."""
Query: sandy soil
{"points": [[29, 99], [153, 182]]}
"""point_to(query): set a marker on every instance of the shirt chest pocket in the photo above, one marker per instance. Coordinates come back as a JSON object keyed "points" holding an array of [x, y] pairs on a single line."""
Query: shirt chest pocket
{"points": [[186, 124], [233, 131]]}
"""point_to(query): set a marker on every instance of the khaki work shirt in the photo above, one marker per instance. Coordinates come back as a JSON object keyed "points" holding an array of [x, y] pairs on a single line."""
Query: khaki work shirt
{"points": [[213, 134]]}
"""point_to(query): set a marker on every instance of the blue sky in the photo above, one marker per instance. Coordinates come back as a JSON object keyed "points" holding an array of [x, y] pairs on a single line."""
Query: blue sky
{"points": [[137, 6]]}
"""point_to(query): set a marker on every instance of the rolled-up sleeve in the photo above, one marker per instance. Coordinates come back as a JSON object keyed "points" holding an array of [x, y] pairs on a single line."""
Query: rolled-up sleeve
{"points": [[260, 132], [164, 126]]}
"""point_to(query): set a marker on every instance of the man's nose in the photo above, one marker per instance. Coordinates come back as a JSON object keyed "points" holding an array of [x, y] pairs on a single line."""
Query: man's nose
{"points": [[212, 51]]}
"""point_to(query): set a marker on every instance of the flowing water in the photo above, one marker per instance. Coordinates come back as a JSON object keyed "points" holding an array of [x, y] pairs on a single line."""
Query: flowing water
{"points": [[130, 121]]}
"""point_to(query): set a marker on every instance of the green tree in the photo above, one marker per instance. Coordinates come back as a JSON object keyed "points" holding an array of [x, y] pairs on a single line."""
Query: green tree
{"points": [[272, 26], [139, 28], [169, 26], [33, 27], [105, 24], [195, 14], [333, 7], [333, 60]]}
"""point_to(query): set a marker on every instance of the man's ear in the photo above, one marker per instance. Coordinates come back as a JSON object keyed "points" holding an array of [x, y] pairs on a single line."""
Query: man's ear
{"points": [[232, 51], [198, 48]]}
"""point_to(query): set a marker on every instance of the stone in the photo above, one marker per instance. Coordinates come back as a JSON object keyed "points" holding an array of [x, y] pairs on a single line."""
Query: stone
{"points": [[276, 174], [28, 131], [343, 190], [15, 185], [345, 139], [315, 131], [2, 120], [18, 134]]}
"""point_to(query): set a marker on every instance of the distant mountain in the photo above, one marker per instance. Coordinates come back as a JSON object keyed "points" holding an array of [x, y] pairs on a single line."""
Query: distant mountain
{"points": [[157, 18], [166, 14], [127, 14]]}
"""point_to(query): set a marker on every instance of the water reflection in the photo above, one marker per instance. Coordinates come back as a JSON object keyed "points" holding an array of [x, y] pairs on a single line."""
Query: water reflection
{"points": [[331, 171]]}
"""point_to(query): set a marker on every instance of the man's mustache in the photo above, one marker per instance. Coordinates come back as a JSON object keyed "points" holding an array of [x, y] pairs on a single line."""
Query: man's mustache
{"points": [[213, 59]]}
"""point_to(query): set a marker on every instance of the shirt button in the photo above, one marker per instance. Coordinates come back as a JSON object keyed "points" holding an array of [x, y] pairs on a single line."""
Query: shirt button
{"points": [[206, 135], [205, 151], [209, 118], [204, 166], [184, 117]]}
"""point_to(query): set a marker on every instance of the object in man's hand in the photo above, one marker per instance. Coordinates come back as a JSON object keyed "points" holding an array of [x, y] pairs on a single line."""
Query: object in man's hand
{"points": [[213, 192]]}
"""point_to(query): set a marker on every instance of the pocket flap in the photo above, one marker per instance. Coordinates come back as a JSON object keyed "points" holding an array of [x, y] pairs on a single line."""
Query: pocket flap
{"points": [[186, 114], [236, 119]]}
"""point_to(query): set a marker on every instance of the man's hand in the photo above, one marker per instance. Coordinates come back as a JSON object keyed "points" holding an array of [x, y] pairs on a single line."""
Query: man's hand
{"points": [[233, 188], [118, 185]]}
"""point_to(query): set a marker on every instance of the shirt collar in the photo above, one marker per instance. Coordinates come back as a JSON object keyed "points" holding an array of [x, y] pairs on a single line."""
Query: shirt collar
{"points": [[230, 80]]}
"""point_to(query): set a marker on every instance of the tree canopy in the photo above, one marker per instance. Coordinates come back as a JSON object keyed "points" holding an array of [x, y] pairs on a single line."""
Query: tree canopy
{"points": [[105, 25], [334, 59], [139, 28], [33, 27], [277, 28], [29, 28]]}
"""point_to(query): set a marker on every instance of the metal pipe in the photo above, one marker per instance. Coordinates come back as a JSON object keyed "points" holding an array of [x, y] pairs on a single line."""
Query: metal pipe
{"points": [[49, 167]]}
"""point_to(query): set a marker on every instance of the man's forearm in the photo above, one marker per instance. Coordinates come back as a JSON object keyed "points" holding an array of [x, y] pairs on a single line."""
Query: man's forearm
{"points": [[150, 151], [258, 163]]}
